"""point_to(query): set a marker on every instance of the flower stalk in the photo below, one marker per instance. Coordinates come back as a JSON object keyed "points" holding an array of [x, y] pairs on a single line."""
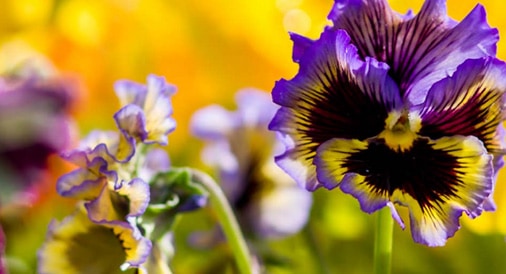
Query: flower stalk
{"points": [[383, 242], [227, 220]]}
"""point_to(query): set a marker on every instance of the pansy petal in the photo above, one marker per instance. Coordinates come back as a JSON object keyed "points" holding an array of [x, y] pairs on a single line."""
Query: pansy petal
{"points": [[420, 50], [433, 223], [107, 145], [154, 101], [334, 95], [436, 180], [471, 102], [255, 107], [137, 193], [213, 122], [335, 161], [130, 92], [126, 199], [288, 203], [76, 245], [125, 148], [80, 184], [158, 109], [137, 247], [111, 210], [100, 144], [131, 121], [108, 207], [300, 45]]}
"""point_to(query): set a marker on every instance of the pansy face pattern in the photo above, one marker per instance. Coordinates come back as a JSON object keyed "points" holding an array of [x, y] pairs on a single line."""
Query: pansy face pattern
{"points": [[397, 109]]}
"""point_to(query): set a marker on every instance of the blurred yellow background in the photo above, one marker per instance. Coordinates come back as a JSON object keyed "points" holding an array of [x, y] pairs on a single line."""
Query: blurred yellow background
{"points": [[209, 50]]}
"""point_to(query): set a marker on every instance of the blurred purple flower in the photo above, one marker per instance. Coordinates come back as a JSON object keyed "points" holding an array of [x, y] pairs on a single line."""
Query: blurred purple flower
{"points": [[34, 124], [268, 203], [403, 109]]}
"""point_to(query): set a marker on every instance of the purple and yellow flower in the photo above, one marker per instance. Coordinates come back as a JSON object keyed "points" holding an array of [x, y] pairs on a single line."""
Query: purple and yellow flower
{"points": [[146, 112], [112, 183], [397, 109], [268, 202], [79, 245], [113, 196]]}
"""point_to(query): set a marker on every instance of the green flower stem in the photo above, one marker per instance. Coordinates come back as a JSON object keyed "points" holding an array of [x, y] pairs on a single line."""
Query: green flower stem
{"points": [[227, 220], [383, 242], [315, 250]]}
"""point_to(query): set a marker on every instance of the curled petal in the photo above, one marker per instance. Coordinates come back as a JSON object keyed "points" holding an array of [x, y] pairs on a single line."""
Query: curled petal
{"points": [[131, 121], [80, 184], [334, 95], [86, 182], [108, 207], [76, 245], [421, 49], [137, 247], [130, 92], [137, 193], [158, 109], [437, 180], [108, 145], [148, 108], [122, 201]]}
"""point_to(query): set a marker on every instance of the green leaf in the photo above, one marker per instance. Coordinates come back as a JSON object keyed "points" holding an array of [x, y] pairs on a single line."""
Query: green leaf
{"points": [[172, 192]]}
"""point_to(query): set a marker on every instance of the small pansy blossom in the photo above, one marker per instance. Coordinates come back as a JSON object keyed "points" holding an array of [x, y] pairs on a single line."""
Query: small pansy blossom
{"points": [[397, 109], [268, 203], [112, 181], [146, 110]]}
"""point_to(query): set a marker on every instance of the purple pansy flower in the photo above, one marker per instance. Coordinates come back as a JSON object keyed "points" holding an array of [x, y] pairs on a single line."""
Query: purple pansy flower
{"points": [[268, 203], [146, 112], [397, 109]]}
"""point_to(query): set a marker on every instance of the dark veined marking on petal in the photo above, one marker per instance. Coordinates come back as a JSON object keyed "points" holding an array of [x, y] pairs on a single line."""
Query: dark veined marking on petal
{"points": [[429, 176], [378, 32], [122, 241], [414, 41], [331, 105], [478, 112], [368, 32]]}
